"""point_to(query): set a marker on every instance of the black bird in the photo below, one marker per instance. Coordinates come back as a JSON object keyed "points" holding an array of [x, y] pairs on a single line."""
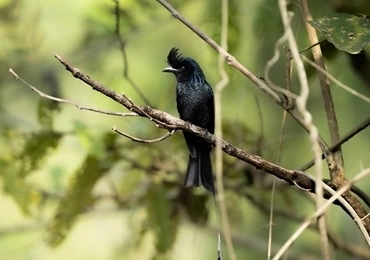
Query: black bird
{"points": [[195, 104]]}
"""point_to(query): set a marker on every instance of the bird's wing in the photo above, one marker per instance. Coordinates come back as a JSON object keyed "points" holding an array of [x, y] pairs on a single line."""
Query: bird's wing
{"points": [[211, 109]]}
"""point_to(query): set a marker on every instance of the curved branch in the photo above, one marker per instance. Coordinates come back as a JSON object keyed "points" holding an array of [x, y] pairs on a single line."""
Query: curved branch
{"points": [[61, 100], [144, 141]]}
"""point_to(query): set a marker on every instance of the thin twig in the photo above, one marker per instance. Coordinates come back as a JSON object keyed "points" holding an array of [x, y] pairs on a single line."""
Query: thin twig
{"points": [[312, 45], [61, 100], [251, 242], [337, 82], [272, 210], [289, 68], [121, 99], [301, 102], [220, 196], [271, 220], [362, 195], [122, 47], [357, 129], [270, 63], [145, 141]]}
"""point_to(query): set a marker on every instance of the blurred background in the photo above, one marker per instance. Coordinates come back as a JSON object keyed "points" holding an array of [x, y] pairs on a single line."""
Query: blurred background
{"points": [[70, 188]]}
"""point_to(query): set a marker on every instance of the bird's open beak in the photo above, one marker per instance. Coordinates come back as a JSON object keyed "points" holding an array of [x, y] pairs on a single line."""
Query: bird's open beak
{"points": [[170, 69]]}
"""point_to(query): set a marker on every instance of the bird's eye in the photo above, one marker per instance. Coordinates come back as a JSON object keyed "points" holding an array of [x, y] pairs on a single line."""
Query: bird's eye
{"points": [[182, 68]]}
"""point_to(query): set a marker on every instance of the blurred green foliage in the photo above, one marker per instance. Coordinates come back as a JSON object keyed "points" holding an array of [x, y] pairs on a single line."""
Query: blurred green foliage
{"points": [[64, 173], [34, 148], [78, 194]]}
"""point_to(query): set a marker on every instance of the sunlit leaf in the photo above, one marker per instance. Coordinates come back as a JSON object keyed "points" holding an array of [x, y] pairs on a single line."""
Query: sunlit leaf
{"points": [[347, 32]]}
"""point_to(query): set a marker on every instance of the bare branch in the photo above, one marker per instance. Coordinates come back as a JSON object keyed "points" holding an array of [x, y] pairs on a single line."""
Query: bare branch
{"points": [[357, 129], [139, 140], [121, 99], [337, 82], [270, 63], [220, 197], [61, 100]]}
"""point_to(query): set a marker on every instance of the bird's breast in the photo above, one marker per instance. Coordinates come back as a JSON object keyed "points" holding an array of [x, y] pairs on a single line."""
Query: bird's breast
{"points": [[192, 106]]}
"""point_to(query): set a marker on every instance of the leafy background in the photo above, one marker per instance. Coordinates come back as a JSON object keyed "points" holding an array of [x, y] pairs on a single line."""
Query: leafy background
{"points": [[70, 188]]}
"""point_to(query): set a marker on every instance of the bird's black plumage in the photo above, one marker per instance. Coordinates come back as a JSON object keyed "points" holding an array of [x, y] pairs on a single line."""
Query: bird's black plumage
{"points": [[195, 104]]}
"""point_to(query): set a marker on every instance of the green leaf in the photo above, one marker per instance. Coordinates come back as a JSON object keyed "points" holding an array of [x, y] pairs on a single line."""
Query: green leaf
{"points": [[78, 197], [347, 32], [76, 200], [37, 146], [18, 188], [19, 164], [161, 220]]}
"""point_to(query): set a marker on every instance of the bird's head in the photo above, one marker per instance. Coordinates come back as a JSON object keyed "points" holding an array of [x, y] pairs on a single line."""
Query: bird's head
{"points": [[184, 68]]}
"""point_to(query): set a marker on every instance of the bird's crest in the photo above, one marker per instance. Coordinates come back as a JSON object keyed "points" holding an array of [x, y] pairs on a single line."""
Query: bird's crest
{"points": [[174, 58]]}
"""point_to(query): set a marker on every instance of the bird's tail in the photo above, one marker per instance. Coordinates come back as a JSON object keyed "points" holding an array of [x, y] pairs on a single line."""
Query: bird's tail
{"points": [[199, 171]]}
